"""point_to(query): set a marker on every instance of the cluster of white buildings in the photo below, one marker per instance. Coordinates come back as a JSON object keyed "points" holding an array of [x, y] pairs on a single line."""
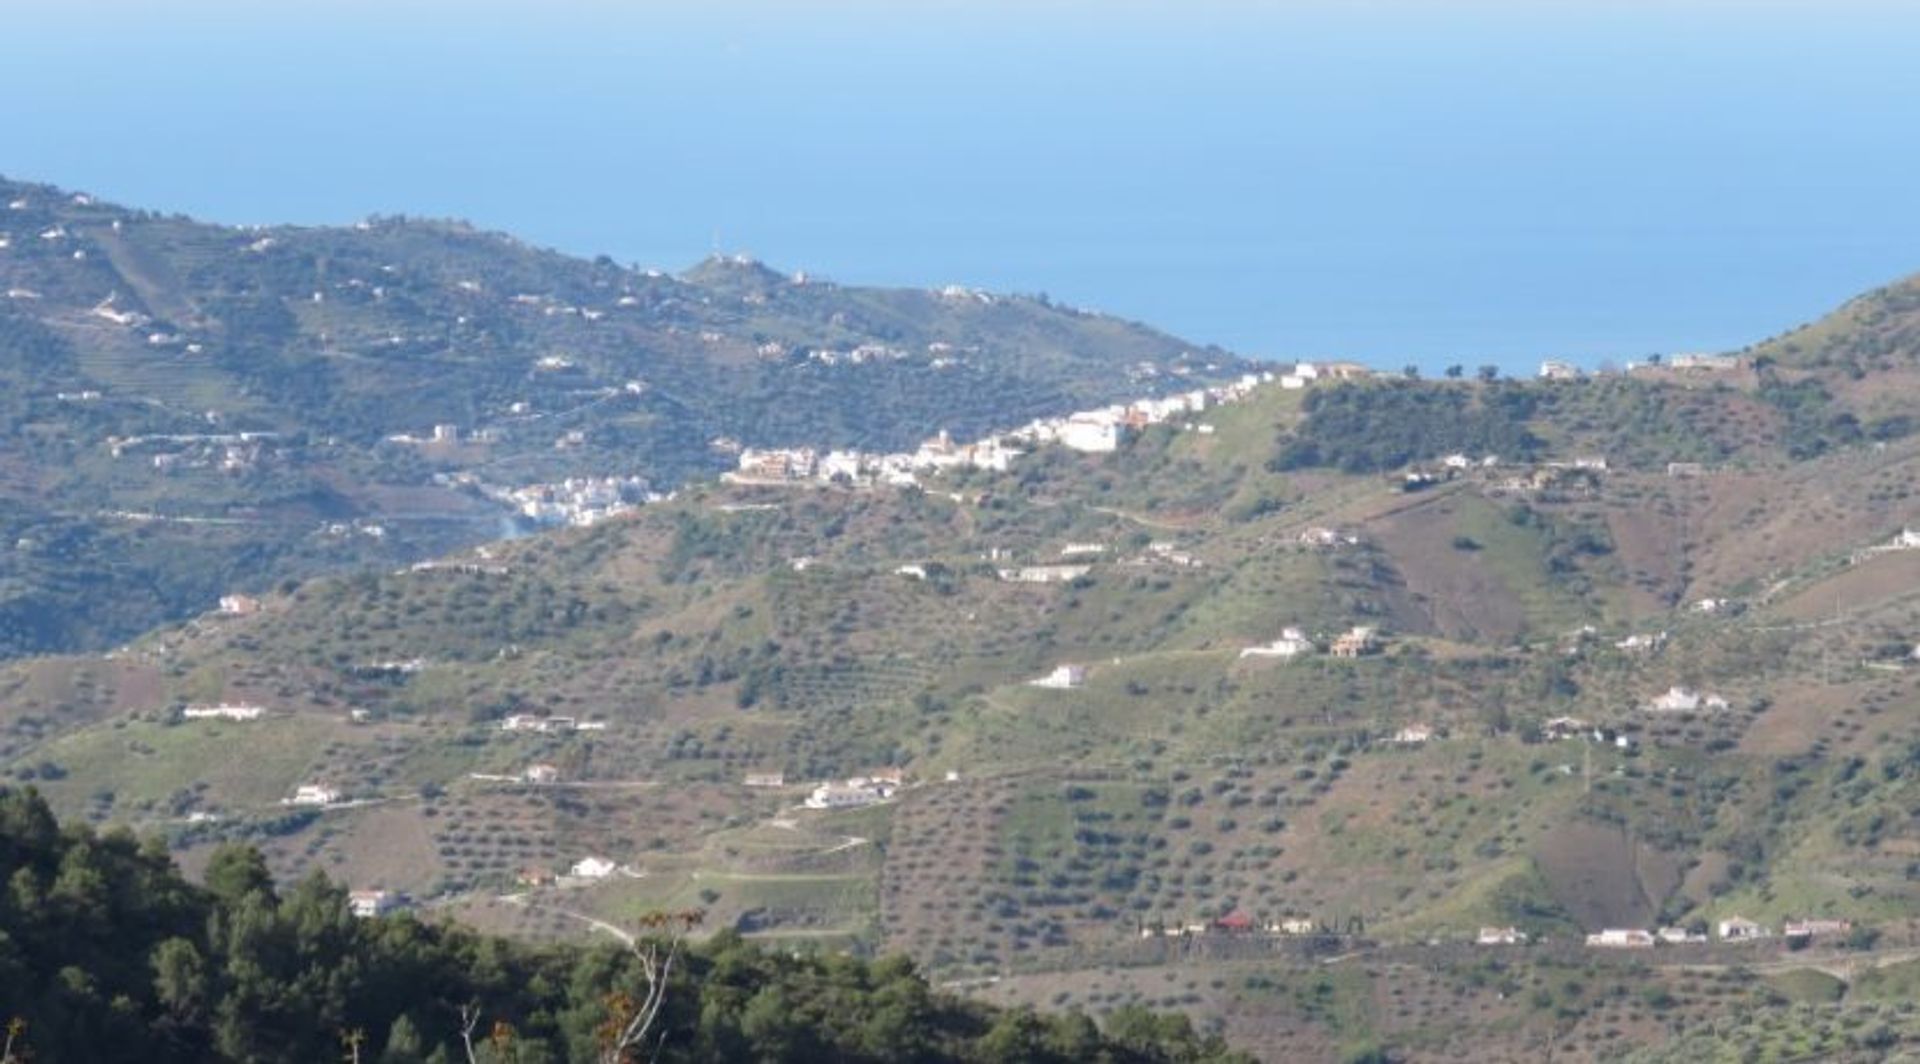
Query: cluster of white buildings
{"points": [[1686, 700], [1557, 370], [857, 791], [1090, 431], [857, 356], [227, 452], [801, 464], [577, 501], [1732, 929], [1306, 374], [1357, 641], [222, 712]]}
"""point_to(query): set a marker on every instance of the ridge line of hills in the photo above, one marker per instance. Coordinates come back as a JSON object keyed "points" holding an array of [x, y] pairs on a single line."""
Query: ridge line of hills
{"points": [[194, 409]]}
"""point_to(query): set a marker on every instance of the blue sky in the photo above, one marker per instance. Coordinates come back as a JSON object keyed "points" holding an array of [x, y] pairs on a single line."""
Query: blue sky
{"points": [[1397, 181]]}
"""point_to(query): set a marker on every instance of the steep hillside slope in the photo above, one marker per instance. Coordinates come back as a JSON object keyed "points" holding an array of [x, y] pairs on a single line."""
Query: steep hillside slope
{"points": [[1398, 798]]}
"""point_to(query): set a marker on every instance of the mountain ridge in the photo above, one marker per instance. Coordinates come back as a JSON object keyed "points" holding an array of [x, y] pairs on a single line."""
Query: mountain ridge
{"points": [[369, 364]]}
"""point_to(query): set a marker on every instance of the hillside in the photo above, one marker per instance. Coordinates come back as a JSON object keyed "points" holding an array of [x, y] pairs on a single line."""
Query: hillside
{"points": [[188, 410], [1396, 801]]}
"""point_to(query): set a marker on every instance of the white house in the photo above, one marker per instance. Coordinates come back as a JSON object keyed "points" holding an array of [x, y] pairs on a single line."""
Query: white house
{"points": [[239, 605], [1642, 643], [1621, 938], [592, 868], [1045, 574], [367, 904], [1328, 537], [222, 712], [312, 794], [916, 572], [1413, 735], [766, 779], [1062, 678], [541, 774], [1292, 643], [1357, 642], [1740, 929], [527, 722], [1091, 435], [1553, 370], [1501, 936], [850, 794], [1806, 930], [1684, 700], [1679, 936]]}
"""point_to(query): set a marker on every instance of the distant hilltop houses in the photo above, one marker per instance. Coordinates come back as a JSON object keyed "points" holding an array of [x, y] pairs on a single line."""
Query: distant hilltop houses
{"points": [[1087, 431], [577, 501], [1690, 363]]}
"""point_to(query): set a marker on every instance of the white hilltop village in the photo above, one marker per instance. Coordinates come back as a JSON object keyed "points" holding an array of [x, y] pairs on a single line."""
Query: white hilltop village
{"points": [[1097, 431]]}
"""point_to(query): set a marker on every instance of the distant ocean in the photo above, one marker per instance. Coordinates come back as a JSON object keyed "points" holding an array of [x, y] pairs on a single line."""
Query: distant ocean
{"points": [[1410, 182]]}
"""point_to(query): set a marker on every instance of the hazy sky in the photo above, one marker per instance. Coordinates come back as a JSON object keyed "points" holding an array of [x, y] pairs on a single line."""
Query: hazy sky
{"points": [[1410, 181]]}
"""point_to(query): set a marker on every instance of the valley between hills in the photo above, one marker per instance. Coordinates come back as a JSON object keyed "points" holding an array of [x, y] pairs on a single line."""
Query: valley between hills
{"points": [[1336, 712]]}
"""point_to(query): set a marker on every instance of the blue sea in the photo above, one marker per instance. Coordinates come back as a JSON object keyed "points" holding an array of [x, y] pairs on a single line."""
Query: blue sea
{"points": [[1414, 182]]}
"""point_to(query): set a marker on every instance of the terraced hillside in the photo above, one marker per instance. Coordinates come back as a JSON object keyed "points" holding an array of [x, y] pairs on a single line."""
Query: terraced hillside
{"points": [[733, 648], [189, 409]]}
